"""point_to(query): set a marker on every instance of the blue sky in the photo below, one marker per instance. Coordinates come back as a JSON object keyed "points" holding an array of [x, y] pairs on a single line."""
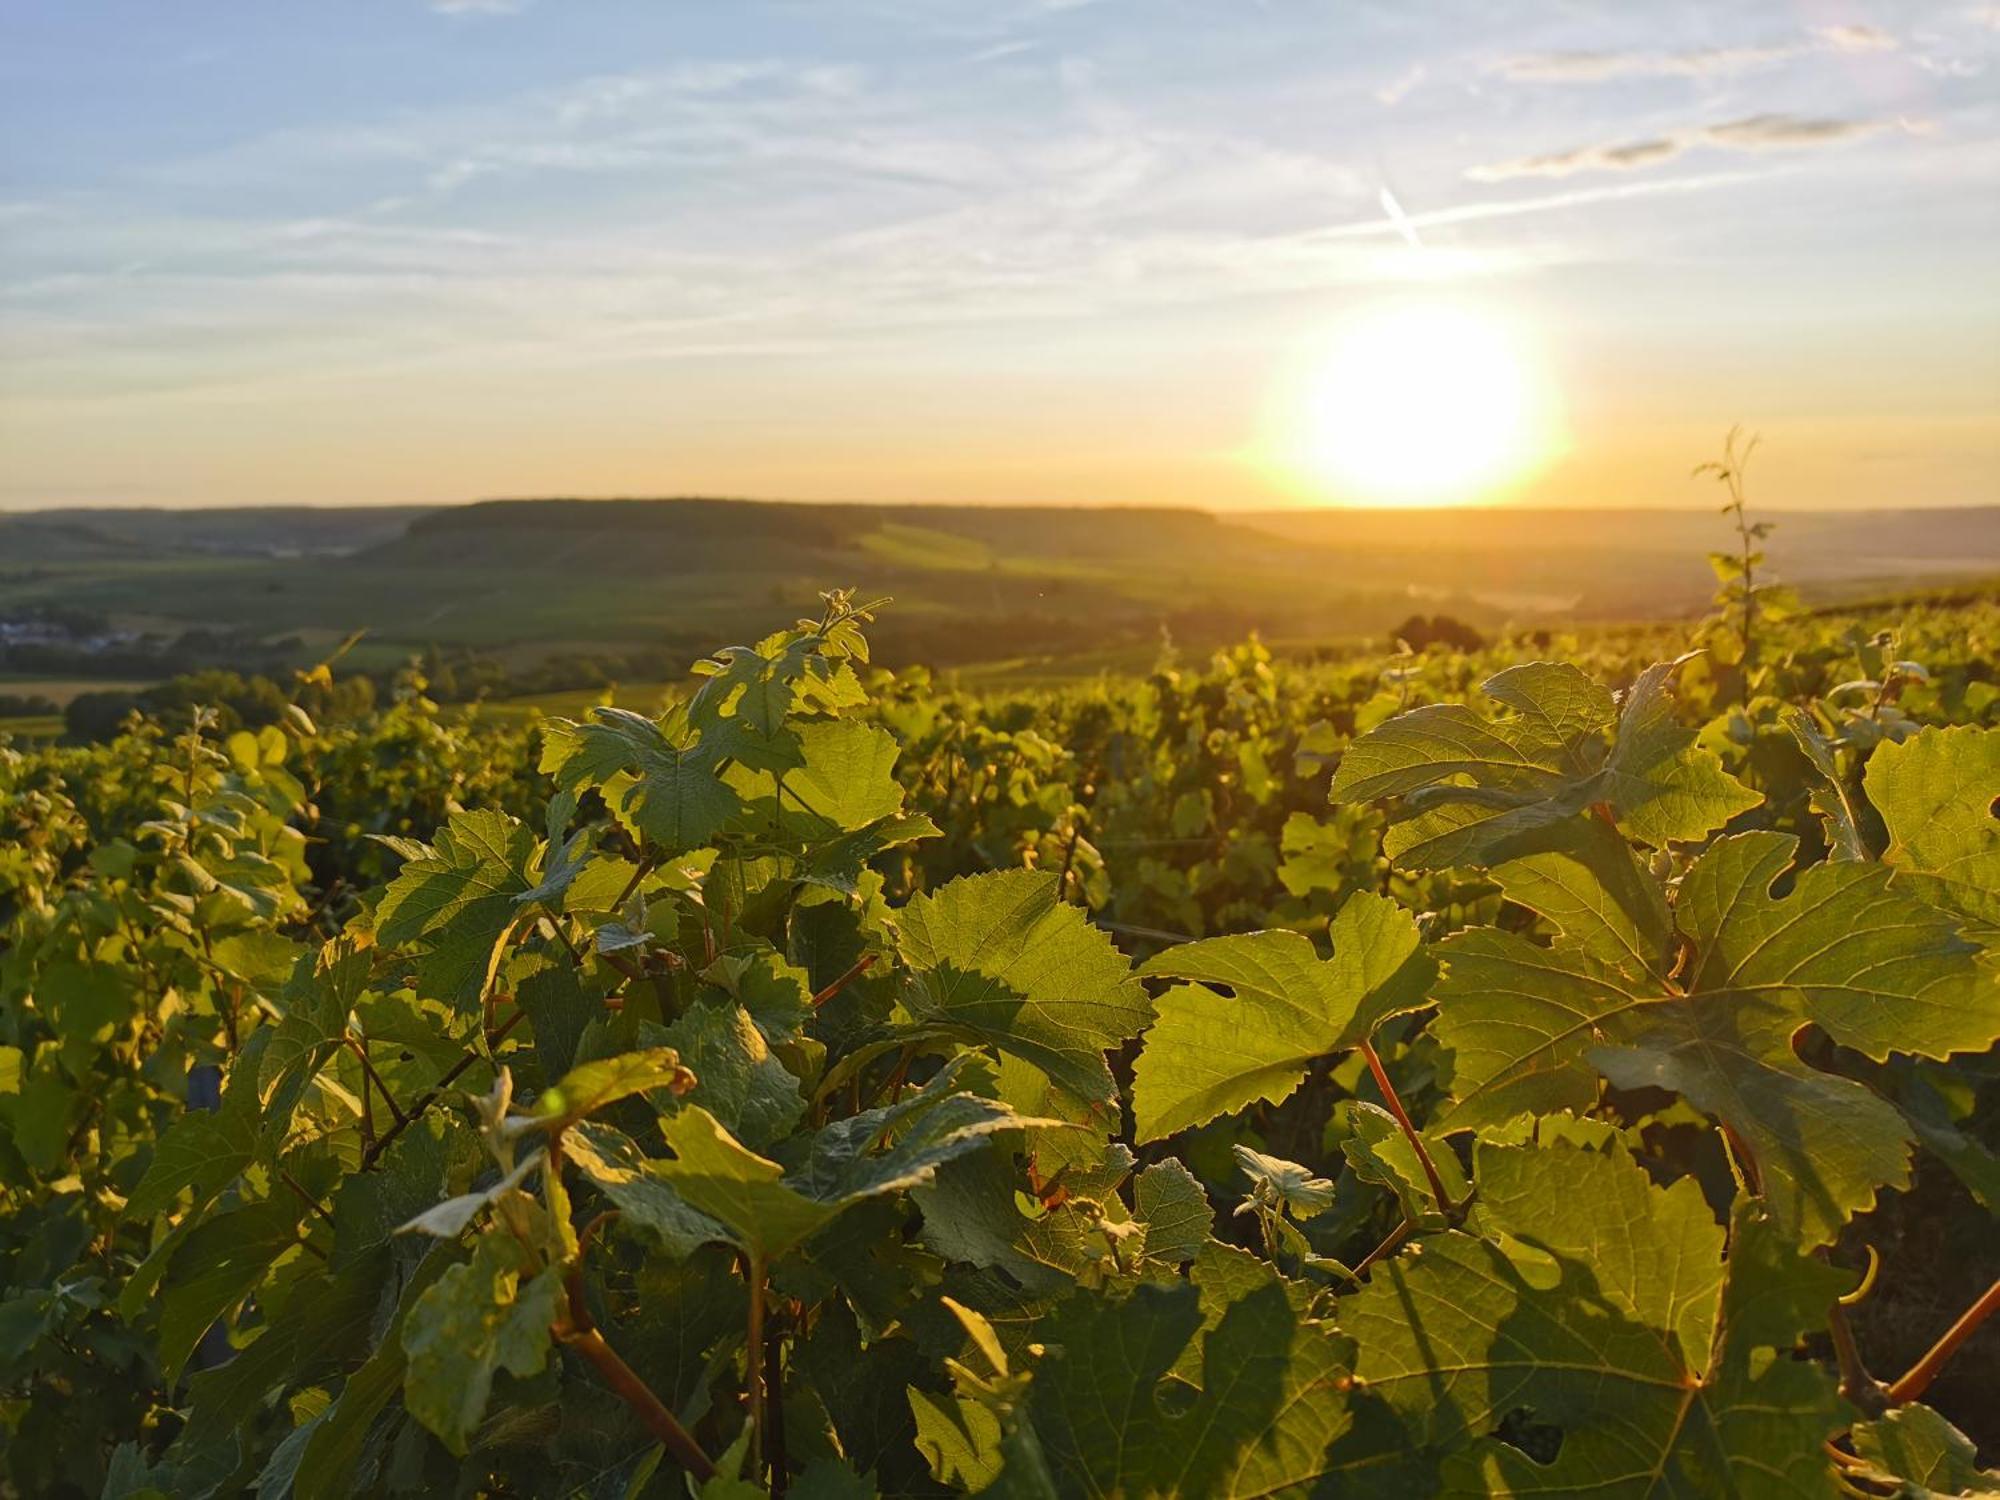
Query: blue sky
{"points": [[391, 250]]}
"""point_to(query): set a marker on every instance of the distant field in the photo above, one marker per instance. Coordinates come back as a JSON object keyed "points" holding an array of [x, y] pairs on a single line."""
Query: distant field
{"points": [[44, 727], [640, 697], [1006, 593], [61, 689]]}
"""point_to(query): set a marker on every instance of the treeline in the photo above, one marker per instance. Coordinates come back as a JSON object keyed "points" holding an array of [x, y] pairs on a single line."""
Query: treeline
{"points": [[251, 700]]}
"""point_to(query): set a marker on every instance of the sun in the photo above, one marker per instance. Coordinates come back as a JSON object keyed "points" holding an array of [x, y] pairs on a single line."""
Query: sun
{"points": [[1426, 403]]}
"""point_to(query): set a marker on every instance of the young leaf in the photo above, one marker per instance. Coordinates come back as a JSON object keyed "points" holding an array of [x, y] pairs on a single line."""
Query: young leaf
{"points": [[1829, 795], [1472, 788], [1284, 1184], [738, 1080], [478, 1319], [461, 898], [1001, 960], [1913, 1446], [591, 1086], [659, 777], [1936, 793], [1168, 1200], [1208, 1054], [715, 1189]]}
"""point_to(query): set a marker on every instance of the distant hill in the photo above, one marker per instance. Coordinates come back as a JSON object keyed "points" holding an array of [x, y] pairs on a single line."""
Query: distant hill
{"points": [[1603, 563], [527, 578], [247, 531], [695, 534], [39, 538]]}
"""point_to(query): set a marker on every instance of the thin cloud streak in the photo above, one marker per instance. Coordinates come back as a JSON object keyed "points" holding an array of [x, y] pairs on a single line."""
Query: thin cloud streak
{"points": [[1768, 132], [1596, 67], [1704, 62]]}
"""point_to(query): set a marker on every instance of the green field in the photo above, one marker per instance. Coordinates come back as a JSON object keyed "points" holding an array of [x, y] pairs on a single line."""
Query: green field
{"points": [[61, 689]]}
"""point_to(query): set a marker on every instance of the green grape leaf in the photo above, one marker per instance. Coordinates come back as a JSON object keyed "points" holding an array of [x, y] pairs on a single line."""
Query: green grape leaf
{"points": [[1473, 788], [221, 1260], [311, 1336], [479, 1318], [1829, 794], [1912, 1446], [84, 1002], [1519, 1019], [844, 782], [334, 1451], [318, 999], [737, 1079], [1168, 1200], [958, 1438], [1001, 960], [203, 1151], [1879, 971], [1585, 879], [1598, 1307], [258, 957], [461, 899], [591, 1086], [1211, 1054], [1379, 1152], [1269, 1405], [1820, 1145], [662, 782], [741, 709], [1936, 792], [1529, 1027], [777, 994], [714, 1189], [369, 1207], [974, 1213], [1662, 786]]}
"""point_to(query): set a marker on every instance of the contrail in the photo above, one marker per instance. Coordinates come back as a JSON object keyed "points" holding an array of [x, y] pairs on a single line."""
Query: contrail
{"points": [[1401, 220]]}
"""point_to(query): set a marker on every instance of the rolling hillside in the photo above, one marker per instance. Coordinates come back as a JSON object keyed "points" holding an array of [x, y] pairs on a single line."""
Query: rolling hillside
{"points": [[973, 583]]}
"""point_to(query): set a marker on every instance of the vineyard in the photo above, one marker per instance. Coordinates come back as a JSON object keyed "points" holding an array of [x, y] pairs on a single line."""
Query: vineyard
{"points": [[1563, 1068]]}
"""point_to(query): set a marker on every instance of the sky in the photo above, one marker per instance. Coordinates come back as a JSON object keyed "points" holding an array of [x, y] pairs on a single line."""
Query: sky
{"points": [[1093, 251]]}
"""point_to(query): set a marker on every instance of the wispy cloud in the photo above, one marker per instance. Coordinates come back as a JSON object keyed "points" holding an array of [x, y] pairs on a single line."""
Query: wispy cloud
{"points": [[1782, 132], [1768, 132], [1856, 38], [1397, 89], [1703, 62], [1594, 67], [478, 7]]}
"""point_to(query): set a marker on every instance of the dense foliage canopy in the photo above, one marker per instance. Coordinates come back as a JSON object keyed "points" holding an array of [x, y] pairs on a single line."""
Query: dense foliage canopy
{"points": [[844, 1085]]}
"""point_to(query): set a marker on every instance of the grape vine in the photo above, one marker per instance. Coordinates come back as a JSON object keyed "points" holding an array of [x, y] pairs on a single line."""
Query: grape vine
{"points": [[1484, 1076]]}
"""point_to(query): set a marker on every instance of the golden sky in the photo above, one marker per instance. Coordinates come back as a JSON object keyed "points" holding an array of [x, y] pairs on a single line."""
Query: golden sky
{"points": [[1036, 251]]}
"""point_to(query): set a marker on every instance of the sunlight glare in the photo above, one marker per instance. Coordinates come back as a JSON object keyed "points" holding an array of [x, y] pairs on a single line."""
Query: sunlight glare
{"points": [[1416, 404]]}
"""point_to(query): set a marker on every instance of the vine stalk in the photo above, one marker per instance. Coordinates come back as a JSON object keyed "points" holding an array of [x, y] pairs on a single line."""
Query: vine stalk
{"points": [[1917, 1379], [1395, 1103]]}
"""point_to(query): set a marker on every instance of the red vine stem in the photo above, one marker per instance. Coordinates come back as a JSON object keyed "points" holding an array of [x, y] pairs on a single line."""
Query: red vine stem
{"points": [[1388, 1246], [861, 966], [577, 1330], [1919, 1376], [1395, 1103], [431, 1095], [360, 1050], [753, 1356]]}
